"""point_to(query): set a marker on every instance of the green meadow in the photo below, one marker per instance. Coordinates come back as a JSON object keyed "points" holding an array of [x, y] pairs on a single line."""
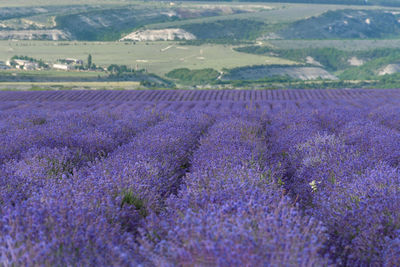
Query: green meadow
{"points": [[155, 57]]}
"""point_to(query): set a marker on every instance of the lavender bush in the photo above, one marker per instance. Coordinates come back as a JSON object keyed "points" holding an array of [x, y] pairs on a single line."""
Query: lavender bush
{"points": [[200, 183]]}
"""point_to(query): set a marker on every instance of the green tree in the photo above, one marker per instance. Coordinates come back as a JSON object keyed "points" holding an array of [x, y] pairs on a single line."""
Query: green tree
{"points": [[89, 61]]}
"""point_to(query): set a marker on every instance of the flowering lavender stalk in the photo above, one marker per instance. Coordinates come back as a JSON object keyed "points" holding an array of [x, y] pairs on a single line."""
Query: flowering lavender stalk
{"points": [[230, 212], [200, 182], [45, 216], [324, 170]]}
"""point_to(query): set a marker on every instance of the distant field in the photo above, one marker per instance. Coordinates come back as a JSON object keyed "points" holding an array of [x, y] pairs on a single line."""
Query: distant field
{"points": [[22, 3], [53, 73], [67, 85], [156, 57], [339, 44]]}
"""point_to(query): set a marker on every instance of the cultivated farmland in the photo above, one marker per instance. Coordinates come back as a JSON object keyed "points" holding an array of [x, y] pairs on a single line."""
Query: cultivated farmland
{"points": [[156, 57], [220, 178]]}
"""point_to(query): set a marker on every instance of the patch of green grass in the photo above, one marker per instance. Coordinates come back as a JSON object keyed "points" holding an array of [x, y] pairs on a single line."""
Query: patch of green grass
{"points": [[330, 58], [201, 76], [39, 121], [129, 198], [37, 88]]}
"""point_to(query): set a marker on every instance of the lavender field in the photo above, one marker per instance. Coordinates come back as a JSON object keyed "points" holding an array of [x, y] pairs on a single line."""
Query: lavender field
{"points": [[200, 178]]}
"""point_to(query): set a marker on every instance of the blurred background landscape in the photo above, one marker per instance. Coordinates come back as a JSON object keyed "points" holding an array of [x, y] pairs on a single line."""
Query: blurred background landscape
{"points": [[199, 44]]}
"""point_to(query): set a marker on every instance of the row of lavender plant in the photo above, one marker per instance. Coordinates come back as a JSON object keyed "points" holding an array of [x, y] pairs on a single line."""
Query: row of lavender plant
{"points": [[343, 168], [230, 211], [195, 95], [93, 133], [40, 145], [83, 187], [47, 168], [140, 175], [89, 217]]}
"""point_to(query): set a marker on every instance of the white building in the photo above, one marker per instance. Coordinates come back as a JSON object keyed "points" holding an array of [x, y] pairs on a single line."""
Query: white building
{"points": [[31, 66], [62, 67], [21, 62], [24, 64]]}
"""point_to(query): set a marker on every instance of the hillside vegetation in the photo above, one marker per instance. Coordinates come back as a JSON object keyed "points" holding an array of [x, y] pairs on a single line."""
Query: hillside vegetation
{"points": [[389, 3], [206, 21], [345, 24], [101, 22], [108, 25], [226, 29], [200, 76], [331, 58]]}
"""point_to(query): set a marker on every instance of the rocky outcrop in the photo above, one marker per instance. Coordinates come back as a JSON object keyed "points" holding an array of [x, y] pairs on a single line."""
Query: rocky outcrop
{"points": [[354, 61], [390, 69], [54, 35], [159, 35]]}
